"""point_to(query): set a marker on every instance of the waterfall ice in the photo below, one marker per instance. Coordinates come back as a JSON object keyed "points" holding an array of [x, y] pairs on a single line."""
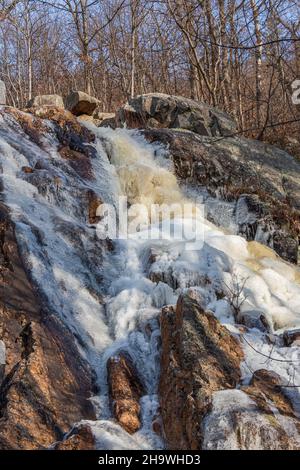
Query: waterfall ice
{"points": [[112, 301]]}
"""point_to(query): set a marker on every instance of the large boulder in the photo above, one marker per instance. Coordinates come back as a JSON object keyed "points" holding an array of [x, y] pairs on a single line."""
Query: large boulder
{"points": [[255, 417], [199, 357], [204, 403], [2, 93], [79, 103], [261, 181], [55, 101], [157, 110]]}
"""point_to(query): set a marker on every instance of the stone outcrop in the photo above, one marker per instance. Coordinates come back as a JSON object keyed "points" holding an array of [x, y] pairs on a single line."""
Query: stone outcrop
{"points": [[79, 103], [80, 438], [199, 357], [55, 101], [73, 138], [157, 110], [257, 417], [203, 404], [2, 93], [45, 384], [126, 390], [261, 180]]}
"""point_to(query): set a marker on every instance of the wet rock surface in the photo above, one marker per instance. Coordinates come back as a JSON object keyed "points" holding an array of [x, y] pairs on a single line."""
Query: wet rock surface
{"points": [[46, 385]]}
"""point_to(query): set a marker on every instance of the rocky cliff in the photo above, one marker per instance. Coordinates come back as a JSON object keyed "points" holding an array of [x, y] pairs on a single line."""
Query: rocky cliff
{"points": [[144, 342]]}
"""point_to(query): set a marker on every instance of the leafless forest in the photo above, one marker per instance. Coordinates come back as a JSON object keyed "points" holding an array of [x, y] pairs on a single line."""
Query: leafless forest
{"points": [[242, 56]]}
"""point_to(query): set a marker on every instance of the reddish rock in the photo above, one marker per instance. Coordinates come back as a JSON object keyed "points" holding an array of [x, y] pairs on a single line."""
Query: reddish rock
{"points": [[94, 201], [27, 169], [265, 388], [199, 357], [80, 438], [47, 384], [125, 389]]}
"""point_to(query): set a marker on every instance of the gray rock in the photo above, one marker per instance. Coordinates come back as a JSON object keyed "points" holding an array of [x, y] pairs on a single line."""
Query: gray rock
{"points": [[2, 92], [292, 337], [254, 319], [240, 421], [157, 110], [46, 100], [79, 103]]}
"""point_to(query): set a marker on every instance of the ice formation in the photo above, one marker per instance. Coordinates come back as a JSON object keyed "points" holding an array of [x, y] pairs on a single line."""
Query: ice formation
{"points": [[66, 261]]}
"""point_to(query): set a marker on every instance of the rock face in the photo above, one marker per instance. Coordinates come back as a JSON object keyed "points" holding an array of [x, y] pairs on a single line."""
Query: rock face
{"points": [[80, 438], [2, 93], [199, 357], [261, 180], [125, 391], [203, 404], [79, 103], [46, 100], [46, 385], [259, 416], [157, 110]]}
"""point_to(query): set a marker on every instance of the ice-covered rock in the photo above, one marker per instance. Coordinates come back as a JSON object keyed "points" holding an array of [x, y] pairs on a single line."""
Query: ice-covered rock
{"points": [[261, 179]]}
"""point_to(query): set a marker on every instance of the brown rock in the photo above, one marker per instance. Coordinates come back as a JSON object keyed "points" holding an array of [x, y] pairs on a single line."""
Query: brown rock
{"points": [[199, 357], [94, 202], [265, 388], [47, 384], [125, 389], [27, 169], [79, 103], [31, 125], [80, 438], [292, 337], [78, 161]]}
